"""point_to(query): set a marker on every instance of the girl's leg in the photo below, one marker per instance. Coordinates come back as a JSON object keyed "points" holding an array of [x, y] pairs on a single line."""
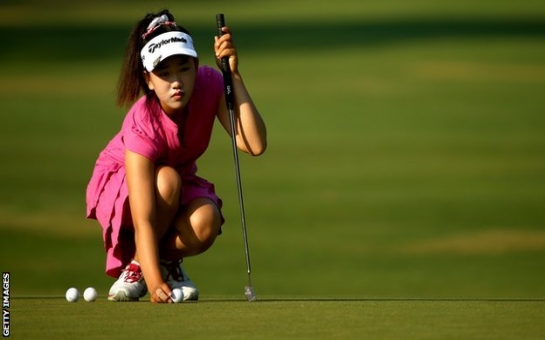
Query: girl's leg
{"points": [[167, 198], [168, 186], [194, 230], [131, 286]]}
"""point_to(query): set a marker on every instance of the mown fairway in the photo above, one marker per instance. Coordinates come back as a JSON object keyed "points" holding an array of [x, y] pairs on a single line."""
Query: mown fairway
{"points": [[401, 196]]}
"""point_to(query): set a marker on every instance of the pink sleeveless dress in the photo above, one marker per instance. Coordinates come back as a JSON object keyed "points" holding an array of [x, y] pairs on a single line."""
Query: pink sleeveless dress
{"points": [[148, 131]]}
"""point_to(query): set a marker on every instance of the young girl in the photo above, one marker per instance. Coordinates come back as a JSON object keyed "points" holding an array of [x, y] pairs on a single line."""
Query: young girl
{"points": [[144, 191]]}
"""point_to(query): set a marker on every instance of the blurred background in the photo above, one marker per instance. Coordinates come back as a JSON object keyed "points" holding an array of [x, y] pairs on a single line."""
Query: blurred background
{"points": [[406, 145]]}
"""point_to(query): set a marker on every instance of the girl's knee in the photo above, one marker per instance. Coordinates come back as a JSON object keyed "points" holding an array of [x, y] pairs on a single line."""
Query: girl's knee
{"points": [[201, 228], [168, 184], [206, 227]]}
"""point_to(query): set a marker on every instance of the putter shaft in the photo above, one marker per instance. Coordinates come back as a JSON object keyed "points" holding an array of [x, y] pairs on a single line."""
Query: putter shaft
{"points": [[229, 98]]}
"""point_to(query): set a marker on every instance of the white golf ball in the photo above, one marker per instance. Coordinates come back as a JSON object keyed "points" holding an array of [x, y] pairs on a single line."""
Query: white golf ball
{"points": [[72, 295], [90, 294], [177, 295]]}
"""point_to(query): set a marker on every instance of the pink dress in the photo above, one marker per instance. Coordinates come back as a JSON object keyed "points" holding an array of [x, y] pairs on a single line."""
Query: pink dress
{"points": [[148, 131]]}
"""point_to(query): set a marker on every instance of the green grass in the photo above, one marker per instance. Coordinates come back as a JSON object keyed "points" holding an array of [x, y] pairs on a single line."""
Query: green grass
{"points": [[281, 318], [401, 195]]}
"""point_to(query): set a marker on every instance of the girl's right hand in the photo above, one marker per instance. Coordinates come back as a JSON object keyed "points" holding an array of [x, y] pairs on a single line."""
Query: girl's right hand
{"points": [[161, 294]]}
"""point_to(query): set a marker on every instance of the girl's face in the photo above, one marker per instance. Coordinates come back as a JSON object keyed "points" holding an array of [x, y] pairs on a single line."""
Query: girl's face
{"points": [[173, 81]]}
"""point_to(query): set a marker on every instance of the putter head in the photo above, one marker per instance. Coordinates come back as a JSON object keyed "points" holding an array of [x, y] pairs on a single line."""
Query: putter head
{"points": [[250, 293]]}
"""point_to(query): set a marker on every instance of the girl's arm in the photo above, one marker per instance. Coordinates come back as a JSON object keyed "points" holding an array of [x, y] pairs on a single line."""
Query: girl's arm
{"points": [[251, 134], [141, 185]]}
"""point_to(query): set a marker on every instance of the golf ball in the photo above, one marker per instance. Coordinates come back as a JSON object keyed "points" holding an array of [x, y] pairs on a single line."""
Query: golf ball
{"points": [[177, 295], [90, 294], [72, 295]]}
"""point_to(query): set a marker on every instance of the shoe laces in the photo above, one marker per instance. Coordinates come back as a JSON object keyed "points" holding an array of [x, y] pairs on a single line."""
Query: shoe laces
{"points": [[133, 273], [174, 271]]}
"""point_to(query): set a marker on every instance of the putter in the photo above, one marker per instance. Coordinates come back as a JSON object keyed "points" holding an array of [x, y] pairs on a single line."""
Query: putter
{"points": [[229, 98]]}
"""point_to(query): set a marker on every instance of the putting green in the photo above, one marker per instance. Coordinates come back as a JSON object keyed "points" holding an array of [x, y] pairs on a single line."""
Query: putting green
{"points": [[55, 318]]}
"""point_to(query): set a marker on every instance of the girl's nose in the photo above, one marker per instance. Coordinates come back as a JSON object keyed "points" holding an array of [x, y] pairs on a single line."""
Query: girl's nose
{"points": [[177, 83]]}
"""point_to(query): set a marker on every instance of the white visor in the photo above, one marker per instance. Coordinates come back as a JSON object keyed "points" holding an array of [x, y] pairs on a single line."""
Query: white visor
{"points": [[164, 46]]}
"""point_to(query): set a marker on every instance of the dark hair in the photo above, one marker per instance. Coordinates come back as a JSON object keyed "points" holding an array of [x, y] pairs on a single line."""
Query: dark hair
{"points": [[131, 79]]}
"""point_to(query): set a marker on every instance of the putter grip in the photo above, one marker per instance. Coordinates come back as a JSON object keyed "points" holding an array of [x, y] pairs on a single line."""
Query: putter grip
{"points": [[220, 21]]}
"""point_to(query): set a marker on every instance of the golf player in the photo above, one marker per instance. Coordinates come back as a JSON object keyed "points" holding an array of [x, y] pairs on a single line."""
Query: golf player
{"points": [[144, 190]]}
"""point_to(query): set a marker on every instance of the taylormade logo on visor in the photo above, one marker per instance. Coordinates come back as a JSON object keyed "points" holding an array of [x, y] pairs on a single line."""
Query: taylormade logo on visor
{"points": [[164, 46], [153, 46]]}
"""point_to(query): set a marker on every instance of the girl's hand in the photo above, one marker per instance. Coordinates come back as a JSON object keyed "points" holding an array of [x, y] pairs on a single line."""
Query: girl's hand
{"points": [[161, 294], [224, 47]]}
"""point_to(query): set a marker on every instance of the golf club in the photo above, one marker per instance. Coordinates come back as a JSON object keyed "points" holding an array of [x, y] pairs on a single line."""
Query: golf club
{"points": [[229, 98]]}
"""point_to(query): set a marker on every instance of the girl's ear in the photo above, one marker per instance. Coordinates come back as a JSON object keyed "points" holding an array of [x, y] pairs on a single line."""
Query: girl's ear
{"points": [[147, 78]]}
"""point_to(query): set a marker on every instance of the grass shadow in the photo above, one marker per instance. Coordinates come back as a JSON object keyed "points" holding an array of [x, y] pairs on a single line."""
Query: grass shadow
{"points": [[95, 42]]}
